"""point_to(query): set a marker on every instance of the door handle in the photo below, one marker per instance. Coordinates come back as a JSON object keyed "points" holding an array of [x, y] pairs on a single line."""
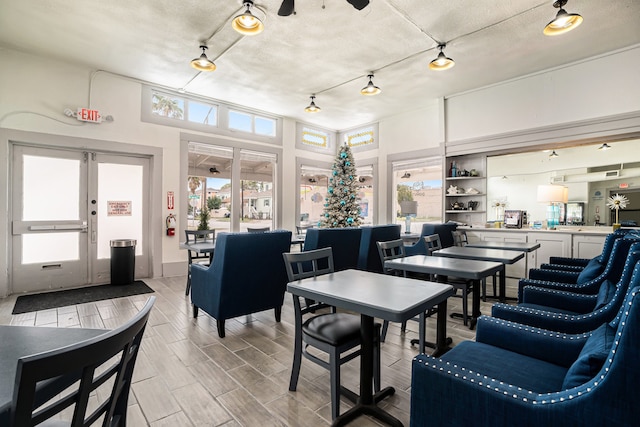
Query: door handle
{"points": [[80, 227]]}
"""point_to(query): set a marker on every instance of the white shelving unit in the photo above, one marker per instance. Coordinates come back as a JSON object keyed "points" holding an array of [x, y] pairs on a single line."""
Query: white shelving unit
{"points": [[465, 166]]}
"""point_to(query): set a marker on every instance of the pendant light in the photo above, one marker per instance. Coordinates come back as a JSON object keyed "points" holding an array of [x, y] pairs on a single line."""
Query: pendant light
{"points": [[312, 108], [442, 62], [202, 63], [247, 23], [563, 21], [370, 89]]}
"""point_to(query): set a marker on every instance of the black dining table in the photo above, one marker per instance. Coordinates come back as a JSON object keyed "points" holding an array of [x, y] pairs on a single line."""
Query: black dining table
{"points": [[481, 254], [375, 295], [20, 341], [473, 270]]}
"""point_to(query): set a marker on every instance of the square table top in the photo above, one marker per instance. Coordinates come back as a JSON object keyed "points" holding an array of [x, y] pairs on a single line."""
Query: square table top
{"points": [[507, 246], [480, 254], [458, 267], [378, 295]]}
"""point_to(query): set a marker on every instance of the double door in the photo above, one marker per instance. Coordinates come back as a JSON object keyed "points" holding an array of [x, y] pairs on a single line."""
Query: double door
{"points": [[67, 206]]}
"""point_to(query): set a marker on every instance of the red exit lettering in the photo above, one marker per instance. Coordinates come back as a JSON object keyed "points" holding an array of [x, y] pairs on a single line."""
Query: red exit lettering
{"points": [[87, 115]]}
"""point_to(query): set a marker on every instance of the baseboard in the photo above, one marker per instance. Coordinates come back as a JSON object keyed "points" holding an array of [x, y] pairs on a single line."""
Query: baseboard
{"points": [[172, 269]]}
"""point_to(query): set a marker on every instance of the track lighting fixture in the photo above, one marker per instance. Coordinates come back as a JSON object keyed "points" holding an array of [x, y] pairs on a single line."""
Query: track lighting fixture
{"points": [[604, 147], [553, 154], [202, 63], [214, 170], [406, 175], [442, 62], [563, 22], [247, 23], [312, 108], [370, 89]]}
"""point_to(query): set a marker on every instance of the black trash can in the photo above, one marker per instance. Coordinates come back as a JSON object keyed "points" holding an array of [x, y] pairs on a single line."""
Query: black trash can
{"points": [[123, 261]]}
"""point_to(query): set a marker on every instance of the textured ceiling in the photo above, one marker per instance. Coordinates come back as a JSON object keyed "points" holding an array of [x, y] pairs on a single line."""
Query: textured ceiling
{"points": [[327, 51]]}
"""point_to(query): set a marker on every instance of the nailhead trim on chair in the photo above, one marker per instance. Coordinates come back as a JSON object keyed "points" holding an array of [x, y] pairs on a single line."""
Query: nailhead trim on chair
{"points": [[515, 392], [627, 271]]}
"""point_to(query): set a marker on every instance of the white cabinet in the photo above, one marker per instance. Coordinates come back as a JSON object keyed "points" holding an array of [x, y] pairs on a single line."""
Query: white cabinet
{"points": [[552, 243], [589, 246]]}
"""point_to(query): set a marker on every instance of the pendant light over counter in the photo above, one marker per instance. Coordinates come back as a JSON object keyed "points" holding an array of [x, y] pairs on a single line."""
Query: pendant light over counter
{"points": [[312, 107], [442, 62], [202, 63], [247, 23], [563, 22], [370, 89]]}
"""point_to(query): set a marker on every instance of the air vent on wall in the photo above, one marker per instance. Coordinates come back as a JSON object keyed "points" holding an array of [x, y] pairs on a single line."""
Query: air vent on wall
{"points": [[612, 174], [557, 179]]}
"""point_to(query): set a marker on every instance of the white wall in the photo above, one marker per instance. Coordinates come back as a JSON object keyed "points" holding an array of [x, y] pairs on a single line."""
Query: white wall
{"points": [[597, 87]]}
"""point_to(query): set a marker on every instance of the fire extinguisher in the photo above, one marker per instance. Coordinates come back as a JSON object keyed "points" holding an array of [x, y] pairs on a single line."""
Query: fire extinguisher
{"points": [[171, 225]]}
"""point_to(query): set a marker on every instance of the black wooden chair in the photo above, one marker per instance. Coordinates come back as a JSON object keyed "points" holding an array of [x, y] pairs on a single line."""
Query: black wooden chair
{"points": [[387, 251], [465, 286], [195, 236], [106, 360], [333, 333]]}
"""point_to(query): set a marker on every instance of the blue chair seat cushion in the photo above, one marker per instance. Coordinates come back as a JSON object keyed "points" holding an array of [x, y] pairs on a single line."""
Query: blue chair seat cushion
{"points": [[510, 367], [605, 294], [593, 269], [333, 328], [591, 358]]}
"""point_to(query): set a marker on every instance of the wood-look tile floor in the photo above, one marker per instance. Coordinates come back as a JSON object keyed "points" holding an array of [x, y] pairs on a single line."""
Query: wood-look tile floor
{"points": [[186, 375]]}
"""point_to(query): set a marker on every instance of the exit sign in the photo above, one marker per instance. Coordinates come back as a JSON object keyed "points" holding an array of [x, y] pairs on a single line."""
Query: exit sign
{"points": [[88, 115], [623, 185]]}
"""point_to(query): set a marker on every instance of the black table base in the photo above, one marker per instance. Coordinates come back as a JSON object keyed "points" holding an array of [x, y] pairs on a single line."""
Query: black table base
{"points": [[367, 401]]}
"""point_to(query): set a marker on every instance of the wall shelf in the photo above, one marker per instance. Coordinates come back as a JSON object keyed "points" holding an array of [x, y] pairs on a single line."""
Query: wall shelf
{"points": [[477, 182]]}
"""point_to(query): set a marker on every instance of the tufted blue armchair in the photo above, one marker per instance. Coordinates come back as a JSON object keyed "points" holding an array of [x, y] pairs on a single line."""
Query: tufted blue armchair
{"points": [[569, 312], [344, 242], [586, 282], [442, 230], [247, 275], [519, 375], [368, 257], [578, 264]]}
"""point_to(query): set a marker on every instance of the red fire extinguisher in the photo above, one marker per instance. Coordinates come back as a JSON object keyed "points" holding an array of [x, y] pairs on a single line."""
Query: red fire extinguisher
{"points": [[171, 225]]}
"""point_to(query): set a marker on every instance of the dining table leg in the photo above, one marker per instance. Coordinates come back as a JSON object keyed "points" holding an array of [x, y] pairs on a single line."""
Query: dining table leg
{"points": [[475, 303], [367, 402]]}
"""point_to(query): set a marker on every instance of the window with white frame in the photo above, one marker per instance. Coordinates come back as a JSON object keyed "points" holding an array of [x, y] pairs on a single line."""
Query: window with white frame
{"points": [[418, 180], [189, 112], [361, 139], [311, 138]]}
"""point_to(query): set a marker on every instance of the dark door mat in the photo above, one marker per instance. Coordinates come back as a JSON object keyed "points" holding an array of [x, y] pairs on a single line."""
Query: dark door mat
{"points": [[55, 299]]}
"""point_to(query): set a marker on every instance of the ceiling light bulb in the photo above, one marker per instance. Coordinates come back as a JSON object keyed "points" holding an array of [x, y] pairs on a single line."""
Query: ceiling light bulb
{"points": [[312, 108], [247, 23], [442, 62], [563, 22], [370, 89], [203, 63]]}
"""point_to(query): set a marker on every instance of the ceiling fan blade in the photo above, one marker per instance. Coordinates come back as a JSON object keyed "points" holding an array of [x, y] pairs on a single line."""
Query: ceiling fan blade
{"points": [[359, 4], [287, 8]]}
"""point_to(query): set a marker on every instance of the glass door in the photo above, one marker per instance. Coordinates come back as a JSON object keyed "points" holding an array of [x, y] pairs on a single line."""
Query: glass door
{"points": [[49, 228], [66, 207], [118, 206]]}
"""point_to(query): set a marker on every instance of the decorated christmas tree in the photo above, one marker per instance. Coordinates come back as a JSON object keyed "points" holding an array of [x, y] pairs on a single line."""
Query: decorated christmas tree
{"points": [[342, 206]]}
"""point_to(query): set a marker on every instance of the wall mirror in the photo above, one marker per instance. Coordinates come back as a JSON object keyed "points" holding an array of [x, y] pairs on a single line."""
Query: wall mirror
{"points": [[591, 173]]}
